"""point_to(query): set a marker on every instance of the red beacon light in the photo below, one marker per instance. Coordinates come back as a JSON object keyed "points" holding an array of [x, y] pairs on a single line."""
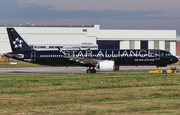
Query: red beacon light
{"points": [[171, 59]]}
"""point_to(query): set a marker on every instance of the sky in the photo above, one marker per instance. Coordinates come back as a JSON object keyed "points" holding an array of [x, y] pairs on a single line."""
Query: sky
{"points": [[109, 14]]}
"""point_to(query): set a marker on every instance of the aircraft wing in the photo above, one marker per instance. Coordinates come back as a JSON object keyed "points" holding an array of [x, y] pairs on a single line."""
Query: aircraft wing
{"points": [[83, 60], [79, 59]]}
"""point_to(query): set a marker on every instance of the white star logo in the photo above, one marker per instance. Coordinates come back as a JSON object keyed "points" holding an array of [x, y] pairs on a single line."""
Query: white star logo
{"points": [[17, 43]]}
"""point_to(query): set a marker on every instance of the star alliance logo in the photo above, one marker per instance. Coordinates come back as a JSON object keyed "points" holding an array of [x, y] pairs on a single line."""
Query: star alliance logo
{"points": [[17, 43]]}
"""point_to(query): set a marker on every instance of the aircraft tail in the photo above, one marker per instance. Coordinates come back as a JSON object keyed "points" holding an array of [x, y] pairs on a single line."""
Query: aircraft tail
{"points": [[16, 41]]}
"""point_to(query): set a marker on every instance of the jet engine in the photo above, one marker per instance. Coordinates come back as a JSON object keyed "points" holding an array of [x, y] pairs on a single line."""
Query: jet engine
{"points": [[107, 65]]}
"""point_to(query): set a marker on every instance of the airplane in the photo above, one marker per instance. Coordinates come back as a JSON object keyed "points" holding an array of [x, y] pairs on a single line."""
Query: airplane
{"points": [[105, 59]]}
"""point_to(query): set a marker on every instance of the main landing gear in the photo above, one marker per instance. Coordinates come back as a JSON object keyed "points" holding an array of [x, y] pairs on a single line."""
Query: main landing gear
{"points": [[91, 70]]}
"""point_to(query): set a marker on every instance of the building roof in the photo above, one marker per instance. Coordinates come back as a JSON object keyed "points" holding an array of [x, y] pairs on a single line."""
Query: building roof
{"points": [[32, 25], [137, 35]]}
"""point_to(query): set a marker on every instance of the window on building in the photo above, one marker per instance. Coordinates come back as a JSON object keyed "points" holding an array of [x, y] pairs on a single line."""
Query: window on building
{"points": [[51, 46], [131, 44], [89, 47], [144, 44], [105, 44], [156, 44], [58, 46], [93, 46], [84, 30], [167, 46], [84, 46], [75, 47], [41, 46], [31, 46]]}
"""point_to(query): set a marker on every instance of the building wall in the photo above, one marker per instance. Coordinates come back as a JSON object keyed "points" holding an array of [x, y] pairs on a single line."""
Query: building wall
{"points": [[51, 35], [173, 47], [151, 45], [137, 34], [141, 35], [178, 48], [162, 45], [124, 44], [137, 44]]}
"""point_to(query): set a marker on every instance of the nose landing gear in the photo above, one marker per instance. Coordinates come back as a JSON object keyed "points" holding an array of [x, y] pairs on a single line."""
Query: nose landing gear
{"points": [[91, 70]]}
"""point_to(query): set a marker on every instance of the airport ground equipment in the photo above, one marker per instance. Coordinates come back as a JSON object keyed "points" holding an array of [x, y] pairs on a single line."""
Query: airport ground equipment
{"points": [[3, 58], [172, 70]]}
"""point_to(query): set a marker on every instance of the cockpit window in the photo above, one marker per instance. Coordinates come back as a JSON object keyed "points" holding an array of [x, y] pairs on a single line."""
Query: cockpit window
{"points": [[168, 54]]}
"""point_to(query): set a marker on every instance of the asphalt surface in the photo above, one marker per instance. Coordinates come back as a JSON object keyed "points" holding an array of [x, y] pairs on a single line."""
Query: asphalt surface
{"points": [[69, 69], [44, 70]]}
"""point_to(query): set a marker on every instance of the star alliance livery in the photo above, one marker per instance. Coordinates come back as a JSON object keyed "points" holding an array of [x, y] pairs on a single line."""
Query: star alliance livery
{"points": [[102, 59]]}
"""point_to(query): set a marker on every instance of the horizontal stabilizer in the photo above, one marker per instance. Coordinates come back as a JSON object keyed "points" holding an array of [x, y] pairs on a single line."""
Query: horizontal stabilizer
{"points": [[20, 56]]}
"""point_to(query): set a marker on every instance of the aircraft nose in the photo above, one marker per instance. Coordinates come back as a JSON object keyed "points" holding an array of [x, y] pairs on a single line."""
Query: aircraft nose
{"points": [[175, 59]]}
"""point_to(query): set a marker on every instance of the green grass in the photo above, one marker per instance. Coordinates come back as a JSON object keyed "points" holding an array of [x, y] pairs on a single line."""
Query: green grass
{"points": [[89, 94]]}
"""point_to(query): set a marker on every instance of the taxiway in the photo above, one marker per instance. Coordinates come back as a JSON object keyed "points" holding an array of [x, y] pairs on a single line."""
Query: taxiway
{"points": [[69, 69]]}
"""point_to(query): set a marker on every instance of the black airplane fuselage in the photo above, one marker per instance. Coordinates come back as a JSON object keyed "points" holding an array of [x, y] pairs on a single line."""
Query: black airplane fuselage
{"points": [[158, 58], [102, 59]]}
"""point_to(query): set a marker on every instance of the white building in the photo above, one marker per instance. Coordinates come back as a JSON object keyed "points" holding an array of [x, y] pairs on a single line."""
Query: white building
{"points": [[106, 39], [142, 39]]}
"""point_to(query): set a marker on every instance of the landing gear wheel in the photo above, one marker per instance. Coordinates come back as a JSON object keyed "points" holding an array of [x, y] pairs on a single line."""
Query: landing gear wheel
{"points": [[93, 71], [88, 71]]}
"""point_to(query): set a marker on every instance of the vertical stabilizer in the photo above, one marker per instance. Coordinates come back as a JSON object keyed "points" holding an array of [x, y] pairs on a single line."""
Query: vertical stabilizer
{"points": [[16, 41]]}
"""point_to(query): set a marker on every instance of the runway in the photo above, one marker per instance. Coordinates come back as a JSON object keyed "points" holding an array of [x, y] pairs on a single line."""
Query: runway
{"points": [[69, 69]]}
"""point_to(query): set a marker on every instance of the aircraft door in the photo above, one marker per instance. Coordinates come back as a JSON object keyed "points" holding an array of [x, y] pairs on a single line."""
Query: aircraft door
{"points": [[157, 55], [33, 56]]}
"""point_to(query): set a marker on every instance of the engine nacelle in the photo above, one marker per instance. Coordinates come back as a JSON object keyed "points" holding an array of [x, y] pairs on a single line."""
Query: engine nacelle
{"points": [[106, 65]]}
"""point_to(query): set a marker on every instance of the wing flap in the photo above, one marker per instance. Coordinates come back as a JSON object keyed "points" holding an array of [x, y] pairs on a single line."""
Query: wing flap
{"points": [[84, 60]]}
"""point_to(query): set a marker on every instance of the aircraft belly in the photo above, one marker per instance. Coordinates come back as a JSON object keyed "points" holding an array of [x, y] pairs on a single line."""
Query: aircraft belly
{"points": [[55, 62], [135, 61]]}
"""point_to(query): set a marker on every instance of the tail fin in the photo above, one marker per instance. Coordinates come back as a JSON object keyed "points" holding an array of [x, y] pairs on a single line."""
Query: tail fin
{"points": [[16, 41]]}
